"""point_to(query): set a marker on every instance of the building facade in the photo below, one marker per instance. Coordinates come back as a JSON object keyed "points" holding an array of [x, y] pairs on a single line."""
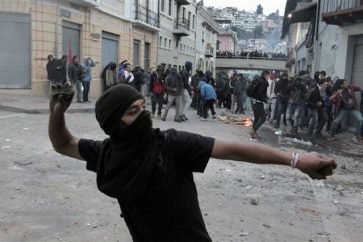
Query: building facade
{"points": [[105, 30], [146, 26], [328, 35], [176, 42], [227, 41], [339, 46], [206, 39]]}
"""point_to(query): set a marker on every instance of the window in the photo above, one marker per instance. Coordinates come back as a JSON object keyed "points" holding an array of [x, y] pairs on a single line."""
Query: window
{"points": [[162, 5], [183, 12], [181, 47], [161, 41], [147, 56], [189, 14], [169, 43], [170, 5], [165, 42], [193, 21], [136, 53]]}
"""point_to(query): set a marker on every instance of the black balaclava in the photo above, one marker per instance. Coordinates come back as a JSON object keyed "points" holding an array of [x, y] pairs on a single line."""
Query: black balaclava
{"points": [[127, 161], [113, 104], [208, 76], [188, 65]]}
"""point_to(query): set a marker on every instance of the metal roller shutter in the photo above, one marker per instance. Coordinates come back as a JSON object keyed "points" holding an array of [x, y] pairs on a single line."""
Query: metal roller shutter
{"points": [[71, 39], [109, 48], [357, 68], [15, 46]]}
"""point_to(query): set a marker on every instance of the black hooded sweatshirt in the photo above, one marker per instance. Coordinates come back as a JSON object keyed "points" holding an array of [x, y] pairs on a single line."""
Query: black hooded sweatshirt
{"points": [[185, 74]]}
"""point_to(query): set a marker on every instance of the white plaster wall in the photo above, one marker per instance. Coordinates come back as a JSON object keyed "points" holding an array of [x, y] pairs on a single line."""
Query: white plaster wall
{"points": [[332, 54]]}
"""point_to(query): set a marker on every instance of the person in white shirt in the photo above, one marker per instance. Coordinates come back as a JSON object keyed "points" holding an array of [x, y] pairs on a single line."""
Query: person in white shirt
{"points": [[272, 98], [129, 77]]}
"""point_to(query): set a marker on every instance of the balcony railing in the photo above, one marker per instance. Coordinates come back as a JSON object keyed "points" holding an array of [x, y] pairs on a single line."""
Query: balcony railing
{"points": [[182, 24], [147, 16], [341, 12], [339, 5], [86, 3], [209, 50], [182, 2]]}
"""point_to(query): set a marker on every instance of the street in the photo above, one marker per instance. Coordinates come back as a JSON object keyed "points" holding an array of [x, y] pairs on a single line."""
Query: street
{"points": [[49, 197]]}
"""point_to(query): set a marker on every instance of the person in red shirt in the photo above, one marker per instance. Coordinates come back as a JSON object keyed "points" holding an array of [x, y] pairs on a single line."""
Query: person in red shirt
{"points": [[157, 80]]}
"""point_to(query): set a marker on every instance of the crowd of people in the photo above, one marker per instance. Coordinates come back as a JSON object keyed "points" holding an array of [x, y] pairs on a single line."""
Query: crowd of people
{"points": [[122, 74], [251, 55], [77, 74], [301, 103], [305, 103]]}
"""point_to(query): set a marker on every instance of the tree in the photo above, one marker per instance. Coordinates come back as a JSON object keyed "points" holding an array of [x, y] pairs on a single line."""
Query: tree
{"points": [[259, 9], [259, 31], [242, 33], [274, 17]]}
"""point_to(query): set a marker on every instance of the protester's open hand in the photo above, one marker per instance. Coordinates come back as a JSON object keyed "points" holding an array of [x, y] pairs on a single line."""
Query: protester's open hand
{"points": [[316, 165], [60, 103]]}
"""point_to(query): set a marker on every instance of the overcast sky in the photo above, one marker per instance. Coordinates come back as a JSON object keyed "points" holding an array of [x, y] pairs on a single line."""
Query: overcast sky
{"points": [[269, 6]]}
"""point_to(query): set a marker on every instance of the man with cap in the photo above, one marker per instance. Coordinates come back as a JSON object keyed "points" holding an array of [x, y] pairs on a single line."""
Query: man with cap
{"points": [[149, 171]]}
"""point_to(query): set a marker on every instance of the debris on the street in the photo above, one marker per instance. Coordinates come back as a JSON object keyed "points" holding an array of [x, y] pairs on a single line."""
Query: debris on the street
{"points": [[278, 132], [297, 141], [267, 225], [22, 163], [5, 147], [236, 119], [254, 201], [7, 140], [243, 234]]}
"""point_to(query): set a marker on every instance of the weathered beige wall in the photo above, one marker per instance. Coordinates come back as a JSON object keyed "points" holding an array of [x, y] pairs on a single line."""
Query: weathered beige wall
{"points": [[145, 37], [46, 24]]}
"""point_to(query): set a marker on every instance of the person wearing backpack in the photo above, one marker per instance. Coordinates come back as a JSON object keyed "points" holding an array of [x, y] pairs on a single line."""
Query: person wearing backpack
{"points": [[297, 99], [174, 87], [258, 92], [157, 90], [239, 91], [282, 94]]}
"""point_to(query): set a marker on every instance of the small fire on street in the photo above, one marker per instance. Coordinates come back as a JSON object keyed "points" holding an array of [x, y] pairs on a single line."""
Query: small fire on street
{"points": [[236, 119]]}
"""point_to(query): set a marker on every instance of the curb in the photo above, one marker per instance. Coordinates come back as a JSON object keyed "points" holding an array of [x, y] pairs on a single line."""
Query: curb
{"points": [[43, 111]]}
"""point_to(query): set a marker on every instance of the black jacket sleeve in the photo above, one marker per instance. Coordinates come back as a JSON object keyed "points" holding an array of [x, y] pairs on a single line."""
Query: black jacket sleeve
{"points": [[262, 91]]}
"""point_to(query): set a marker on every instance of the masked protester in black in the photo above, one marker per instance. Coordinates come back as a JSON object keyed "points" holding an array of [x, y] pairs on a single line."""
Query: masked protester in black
{"points": [[149, 171]]}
